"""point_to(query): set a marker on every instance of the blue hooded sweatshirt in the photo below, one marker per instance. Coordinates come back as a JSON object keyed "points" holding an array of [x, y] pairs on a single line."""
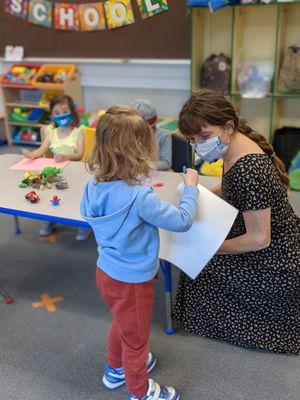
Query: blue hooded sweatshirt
{"points": [[125, 219]]}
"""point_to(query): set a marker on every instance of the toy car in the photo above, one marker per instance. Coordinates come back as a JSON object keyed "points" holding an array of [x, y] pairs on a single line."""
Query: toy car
{"points": [[32, 197]]}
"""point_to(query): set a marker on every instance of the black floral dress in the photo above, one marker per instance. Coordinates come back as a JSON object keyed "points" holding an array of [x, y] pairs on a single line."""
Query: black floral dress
{"points": [[250, 299]]}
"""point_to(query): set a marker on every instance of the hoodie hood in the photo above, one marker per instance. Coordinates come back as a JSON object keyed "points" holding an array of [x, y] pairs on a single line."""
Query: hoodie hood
{"points": [[106, 205]]}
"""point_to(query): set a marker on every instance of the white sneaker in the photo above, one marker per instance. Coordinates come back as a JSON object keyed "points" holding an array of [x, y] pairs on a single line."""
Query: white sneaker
{"points": [[47, 228], [158, 392], [114, 378], [82, 234]]}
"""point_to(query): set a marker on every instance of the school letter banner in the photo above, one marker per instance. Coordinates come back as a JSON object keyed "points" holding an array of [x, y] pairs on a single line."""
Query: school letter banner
{"points": [[66, 17], [149, 8], [40, 12], [118, 13], [92, 17], [85, 17], [18, 8]]}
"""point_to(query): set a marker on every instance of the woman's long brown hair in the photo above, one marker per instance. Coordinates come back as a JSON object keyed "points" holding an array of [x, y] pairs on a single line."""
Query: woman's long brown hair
{"points": [[207, 107]]}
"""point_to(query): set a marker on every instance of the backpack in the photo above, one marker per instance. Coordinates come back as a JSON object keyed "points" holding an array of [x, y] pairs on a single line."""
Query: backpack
{"points": [[215, 73], [289, 77], [286, 144]]}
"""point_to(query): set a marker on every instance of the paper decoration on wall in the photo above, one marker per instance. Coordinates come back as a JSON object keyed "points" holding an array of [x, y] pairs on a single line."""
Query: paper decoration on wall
{"points": [[66, 17], [149, 8], [40, 12], [92, 17], [18, 8], [85, 16], [118, 13], [14, 53]]}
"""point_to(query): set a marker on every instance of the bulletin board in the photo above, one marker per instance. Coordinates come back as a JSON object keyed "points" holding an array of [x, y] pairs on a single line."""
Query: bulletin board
{"points": [[165, 35]]}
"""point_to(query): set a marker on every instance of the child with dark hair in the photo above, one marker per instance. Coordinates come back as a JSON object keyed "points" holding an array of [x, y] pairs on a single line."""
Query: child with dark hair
{"points": [[65, 138]]}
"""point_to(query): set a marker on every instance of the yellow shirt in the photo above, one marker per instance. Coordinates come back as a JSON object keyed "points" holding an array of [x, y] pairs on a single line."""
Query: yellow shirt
{"points": [[67, 145]]}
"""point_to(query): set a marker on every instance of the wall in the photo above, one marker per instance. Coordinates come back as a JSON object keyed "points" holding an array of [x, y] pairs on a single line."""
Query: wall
{"points": [[110, 81], [165, 35]]}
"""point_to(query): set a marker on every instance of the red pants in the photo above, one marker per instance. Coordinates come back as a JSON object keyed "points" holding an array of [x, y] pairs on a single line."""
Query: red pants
{"points": [[131, 306]]}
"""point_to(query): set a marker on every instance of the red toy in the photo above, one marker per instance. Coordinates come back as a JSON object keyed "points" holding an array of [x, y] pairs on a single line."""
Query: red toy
{"points": [[158, 184], [55, 201], [7, 298], [32, 197]]}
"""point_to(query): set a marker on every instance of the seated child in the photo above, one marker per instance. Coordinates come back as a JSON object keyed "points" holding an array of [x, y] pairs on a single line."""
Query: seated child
{"points": [[65, 139], [163, 138], [125, 216]]}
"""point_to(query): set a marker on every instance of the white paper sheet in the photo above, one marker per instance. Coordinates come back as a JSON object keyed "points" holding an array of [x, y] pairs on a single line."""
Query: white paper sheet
{"points": [[191, 251]]}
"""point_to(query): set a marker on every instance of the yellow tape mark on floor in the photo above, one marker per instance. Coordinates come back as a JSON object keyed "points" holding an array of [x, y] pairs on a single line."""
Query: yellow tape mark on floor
{"points": [[48, 302], [52, 238]]}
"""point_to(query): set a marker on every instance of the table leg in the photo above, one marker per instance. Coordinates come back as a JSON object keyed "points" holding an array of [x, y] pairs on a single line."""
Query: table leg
{"points": [[166, 267], [17, 225]]}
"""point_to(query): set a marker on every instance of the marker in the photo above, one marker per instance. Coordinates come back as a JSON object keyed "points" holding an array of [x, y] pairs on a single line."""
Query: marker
{"points": [[158, 184], [184, 169]]}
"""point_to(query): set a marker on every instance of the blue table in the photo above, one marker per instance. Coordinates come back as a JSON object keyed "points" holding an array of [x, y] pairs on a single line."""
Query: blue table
{"points": [[12, 202]]}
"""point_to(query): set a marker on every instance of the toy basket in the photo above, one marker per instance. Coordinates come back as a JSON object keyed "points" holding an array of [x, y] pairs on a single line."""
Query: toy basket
{"points": [[6, 81], [53, 69]]}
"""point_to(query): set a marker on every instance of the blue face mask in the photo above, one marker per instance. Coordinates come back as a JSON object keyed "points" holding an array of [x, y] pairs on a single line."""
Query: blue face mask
{"points": [[63, 120], [212, 149]]}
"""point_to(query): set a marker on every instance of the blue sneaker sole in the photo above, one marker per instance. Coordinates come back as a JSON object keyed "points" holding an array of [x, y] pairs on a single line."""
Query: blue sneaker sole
{"points": [[111, 385], [115, 385]]}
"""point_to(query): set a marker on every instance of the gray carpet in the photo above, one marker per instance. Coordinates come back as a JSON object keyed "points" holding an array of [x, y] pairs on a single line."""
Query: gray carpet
{"points": [[60, 355]]}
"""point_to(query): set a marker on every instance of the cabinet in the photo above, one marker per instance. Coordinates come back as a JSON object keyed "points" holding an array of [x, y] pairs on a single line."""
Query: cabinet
{"points": [[17, 95], [250, 33]]}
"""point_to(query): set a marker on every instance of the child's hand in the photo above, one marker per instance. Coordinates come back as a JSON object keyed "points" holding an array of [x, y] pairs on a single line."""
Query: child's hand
{"points": [[60, 158], [28, 154], [191, 177]]}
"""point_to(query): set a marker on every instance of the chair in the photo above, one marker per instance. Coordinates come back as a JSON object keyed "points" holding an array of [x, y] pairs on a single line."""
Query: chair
{"points": [[89, 136], [89, 141], [181, 153]]}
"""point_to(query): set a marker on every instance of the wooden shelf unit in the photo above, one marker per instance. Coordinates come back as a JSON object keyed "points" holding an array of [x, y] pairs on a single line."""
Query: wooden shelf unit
{"points": [[256, 32], [10, 93]]}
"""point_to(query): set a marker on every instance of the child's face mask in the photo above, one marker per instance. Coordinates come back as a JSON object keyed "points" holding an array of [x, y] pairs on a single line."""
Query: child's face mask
{"points": [[63, 120]]}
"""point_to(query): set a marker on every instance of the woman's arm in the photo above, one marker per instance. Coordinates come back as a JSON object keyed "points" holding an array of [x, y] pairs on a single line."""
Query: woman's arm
{"points": [[257, 236], [217, 190], [77, 156], [42, 149]]}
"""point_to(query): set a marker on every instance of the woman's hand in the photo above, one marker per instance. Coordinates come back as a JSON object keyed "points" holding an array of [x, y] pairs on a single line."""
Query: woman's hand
{"points": [[191, 177], [60, 158]]}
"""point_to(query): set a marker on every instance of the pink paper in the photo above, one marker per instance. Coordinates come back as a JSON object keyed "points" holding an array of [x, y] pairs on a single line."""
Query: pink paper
{"points": [[37, 165]]}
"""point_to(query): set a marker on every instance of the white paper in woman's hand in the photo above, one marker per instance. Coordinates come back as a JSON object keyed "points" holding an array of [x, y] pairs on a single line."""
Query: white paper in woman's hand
{"points": [[191, 251]]}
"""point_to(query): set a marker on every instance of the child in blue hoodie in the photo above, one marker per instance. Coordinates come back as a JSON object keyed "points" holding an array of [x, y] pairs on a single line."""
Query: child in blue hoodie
{"points": [[125, 216]]}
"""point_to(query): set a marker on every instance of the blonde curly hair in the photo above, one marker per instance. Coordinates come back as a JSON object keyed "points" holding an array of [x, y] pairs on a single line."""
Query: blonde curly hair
{"points": [[124, 147]]}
